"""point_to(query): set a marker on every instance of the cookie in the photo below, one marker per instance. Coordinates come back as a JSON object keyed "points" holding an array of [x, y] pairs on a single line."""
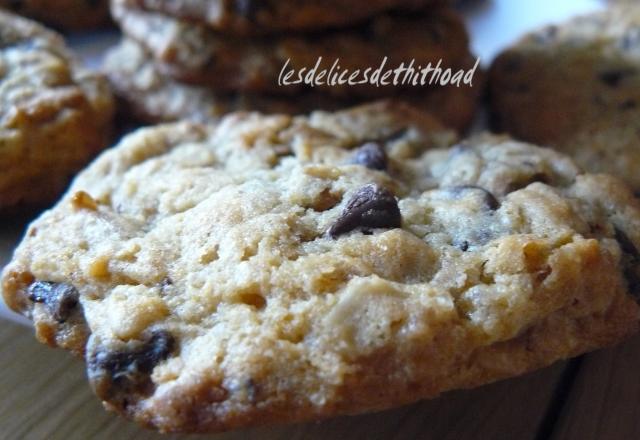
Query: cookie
{"points": [[65, 15], [576, 87], [280, 269], [153, 97], [250, 17], [197, 55], [54, 114]]}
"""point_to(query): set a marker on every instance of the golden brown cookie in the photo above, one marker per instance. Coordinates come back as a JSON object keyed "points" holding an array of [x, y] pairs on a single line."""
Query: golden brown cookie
{"points": [[54, 114], [576, 87], [279, 269]]}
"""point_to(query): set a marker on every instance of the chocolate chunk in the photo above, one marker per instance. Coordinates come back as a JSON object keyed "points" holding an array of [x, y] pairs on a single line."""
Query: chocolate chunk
{"points": [[629, 104], [488, 199], [60, 299], [626, 244], [371, 155], [613, 78], [512, 64], [370, 207], [631, 261], [129, 371]]}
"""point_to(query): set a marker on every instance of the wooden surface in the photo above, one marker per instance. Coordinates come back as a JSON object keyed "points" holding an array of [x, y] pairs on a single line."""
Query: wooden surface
{"points": [[45, 396]]}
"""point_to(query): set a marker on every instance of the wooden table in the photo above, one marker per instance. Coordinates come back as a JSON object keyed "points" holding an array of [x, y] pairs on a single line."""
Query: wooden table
{"points": [[45, 396]]}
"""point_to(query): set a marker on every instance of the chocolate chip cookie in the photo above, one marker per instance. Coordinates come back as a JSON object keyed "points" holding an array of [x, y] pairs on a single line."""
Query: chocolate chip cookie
{"points": [[66, 15], [54, 114], [153, 97], [251, 17], [197, 55], [279, 269], [576, 87]]}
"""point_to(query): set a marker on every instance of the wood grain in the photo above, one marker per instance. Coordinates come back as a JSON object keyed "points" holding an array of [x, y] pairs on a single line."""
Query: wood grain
{"points": [[45, 395], [604, 402]]}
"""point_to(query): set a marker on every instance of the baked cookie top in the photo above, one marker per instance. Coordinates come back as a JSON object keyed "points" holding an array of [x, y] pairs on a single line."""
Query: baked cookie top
{"points": [[153, 97], [250, 17], [276, 268], [576, 86], [65, 15], [198, 55], [54, 114]]}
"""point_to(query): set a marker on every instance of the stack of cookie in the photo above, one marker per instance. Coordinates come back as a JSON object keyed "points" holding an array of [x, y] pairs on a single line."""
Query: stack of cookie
{"points": [[55, 115], [63, 15], [199, 60]]}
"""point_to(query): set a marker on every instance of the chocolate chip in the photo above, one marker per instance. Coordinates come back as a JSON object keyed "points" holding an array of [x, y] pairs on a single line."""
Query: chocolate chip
{"points": [[630, 261], [488, 199], [129, 371], [370, 207], [629, 104], [371, 155], [60, 299], [626, 244], [512, 64], [613, 78]]}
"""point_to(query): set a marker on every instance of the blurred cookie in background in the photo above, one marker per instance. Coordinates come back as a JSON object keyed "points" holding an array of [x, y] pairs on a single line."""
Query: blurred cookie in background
{"points": [[249, 17], [576, 87], [63, 15], [196, 54], [54, 114], [153, 97]]}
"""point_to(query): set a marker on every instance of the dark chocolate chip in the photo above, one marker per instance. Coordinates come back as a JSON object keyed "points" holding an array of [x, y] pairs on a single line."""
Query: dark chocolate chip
{"points": [[371, 155], [370, 207], [631, 262], [629, 104], [129, 371], [488, 199], [626, 244], [60, 299], [613, 78], [511, 64]]}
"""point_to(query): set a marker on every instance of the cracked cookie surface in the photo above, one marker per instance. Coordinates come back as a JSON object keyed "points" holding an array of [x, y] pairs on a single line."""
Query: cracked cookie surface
{"points": [[278, 269], [54, 114], [576, 87]]}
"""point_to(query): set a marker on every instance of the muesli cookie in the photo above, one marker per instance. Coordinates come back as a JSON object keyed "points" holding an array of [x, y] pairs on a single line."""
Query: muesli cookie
{"points": [[54, 114], [197, 55], [576, 86], [65, 15], [250, 17], [153, 97], [279, 269]]}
